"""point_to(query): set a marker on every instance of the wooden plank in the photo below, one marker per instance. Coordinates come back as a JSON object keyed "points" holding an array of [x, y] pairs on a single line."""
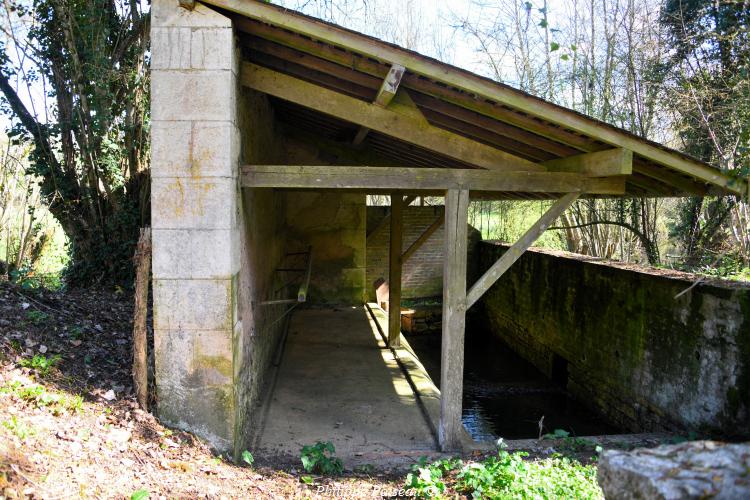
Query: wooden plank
{"points": [[414, 179], [518, 248], [386, 93], [394, 269], [598, 164], [422, 239], [401, 126], [480, 86], [450, 428]]}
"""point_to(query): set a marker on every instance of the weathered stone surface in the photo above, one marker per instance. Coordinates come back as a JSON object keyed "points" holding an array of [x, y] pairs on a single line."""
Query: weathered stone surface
{"points": [[646, 360], [188, 203], [212, 49], [194, 304], [194, 149], [700, 469], [169, 13], [195, 253], [199, 95], [173, 48]]}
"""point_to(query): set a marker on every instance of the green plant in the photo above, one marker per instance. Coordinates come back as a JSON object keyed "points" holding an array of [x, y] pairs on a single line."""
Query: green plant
{"points": [[76, 333], [37, 317], [321, 458], [41, 363], [557, 434], [140, 495], [510, 476], [18, 428], [247, 457], [427, 480]]}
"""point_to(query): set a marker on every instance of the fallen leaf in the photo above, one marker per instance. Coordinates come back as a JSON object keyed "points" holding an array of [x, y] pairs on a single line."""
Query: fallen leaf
{"points": [[109, 395]]}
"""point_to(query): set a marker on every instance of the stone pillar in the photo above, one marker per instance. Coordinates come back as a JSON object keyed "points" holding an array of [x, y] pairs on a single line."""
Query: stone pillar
{"points": [[195, 218]]}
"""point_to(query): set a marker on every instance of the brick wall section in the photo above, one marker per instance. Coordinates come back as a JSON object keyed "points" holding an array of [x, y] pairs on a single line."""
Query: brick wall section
{"points": [[641, 357], [422, 274]]}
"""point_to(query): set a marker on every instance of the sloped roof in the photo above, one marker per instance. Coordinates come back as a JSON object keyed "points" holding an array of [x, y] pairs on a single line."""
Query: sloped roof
{"points": [[450, 98]]}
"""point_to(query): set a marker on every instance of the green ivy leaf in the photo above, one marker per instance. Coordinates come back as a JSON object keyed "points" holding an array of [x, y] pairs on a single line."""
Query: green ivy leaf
{"points": [[247, 457], [564, 57], [554, 46], [543, 23], [139, 495]]}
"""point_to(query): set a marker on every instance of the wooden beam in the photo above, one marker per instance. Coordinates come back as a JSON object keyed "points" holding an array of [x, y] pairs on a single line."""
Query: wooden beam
{"points": [[402, 126], [450, 428], [514, 252], [422, 239], [394, 269], [187, 4], [483, 88], [415, 179], [385, 95], [599, 164]]}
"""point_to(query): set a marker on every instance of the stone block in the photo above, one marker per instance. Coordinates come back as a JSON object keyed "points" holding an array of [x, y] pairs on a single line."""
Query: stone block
{"points": [[195, 253], [194, 149], [198, 95], [187, 203], [171, 148], [169, 13], [700, 469], [213, 49], [170, 48], [194, 304]]}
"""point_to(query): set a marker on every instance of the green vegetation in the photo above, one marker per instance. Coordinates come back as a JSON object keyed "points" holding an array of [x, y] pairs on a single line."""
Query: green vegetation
{"points": [[321, 458], [140, 495], [41, 363], [248, 458], [39, 397], [505, 475], [37, 317], [19, 429]]}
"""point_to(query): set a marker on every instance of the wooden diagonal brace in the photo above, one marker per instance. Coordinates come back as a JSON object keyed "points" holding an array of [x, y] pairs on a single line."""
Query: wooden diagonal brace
{"points": [[422, 238], [524, 242]]}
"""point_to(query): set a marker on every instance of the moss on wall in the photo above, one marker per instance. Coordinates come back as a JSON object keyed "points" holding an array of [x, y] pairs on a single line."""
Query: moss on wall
{"points": [[640, 356]]}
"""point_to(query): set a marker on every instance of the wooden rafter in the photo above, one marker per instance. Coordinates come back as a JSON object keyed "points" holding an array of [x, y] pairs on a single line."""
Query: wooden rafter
{"points": [[399, 122], [478, 89], [385, 95]]}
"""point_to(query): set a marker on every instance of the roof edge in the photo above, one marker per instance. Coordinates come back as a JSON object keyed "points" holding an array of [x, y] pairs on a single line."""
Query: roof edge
{"points": [[481, 86]]}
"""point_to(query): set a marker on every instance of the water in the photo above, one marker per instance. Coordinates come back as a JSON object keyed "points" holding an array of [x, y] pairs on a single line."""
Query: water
{"points": [[504, 395]]}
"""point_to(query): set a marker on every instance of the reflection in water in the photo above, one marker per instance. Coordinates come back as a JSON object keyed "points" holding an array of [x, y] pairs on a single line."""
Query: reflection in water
{"points": [[506, 396]]}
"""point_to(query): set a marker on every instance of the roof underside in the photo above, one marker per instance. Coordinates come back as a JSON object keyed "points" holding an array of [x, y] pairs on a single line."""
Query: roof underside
{"points": [[320, 53]]}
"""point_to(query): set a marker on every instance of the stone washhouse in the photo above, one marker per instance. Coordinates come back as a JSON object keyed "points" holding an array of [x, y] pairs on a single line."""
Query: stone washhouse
{"points": [[269, 128]]}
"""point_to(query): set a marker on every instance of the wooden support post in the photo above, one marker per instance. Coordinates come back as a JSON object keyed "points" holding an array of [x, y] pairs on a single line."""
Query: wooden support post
{"points": [[394, 269], [518, 248], [140, 353], [454, 319]]}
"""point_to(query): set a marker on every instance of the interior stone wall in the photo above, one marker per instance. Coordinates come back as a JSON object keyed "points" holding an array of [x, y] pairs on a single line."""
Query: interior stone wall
{"points": [[262, 251], [636, 353], [333, 225]]}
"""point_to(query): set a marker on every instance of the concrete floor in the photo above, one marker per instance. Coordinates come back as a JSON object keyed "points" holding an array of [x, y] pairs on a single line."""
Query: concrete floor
{"points": [[338, 382]]}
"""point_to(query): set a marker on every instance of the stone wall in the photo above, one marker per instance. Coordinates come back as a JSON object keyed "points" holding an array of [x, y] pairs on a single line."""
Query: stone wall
{"points": [[422, 274], [195, 218], [333, 224], [624, 343], [263, 246]]}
